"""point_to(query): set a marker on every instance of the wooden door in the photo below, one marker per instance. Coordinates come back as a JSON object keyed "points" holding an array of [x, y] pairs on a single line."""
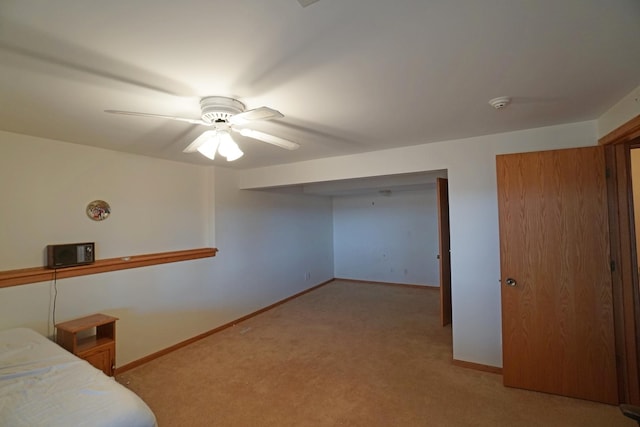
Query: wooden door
{"points": [[442, 186], [557, 310]]}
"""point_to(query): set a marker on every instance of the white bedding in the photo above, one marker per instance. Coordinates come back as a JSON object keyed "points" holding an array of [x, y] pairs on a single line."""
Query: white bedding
{"points": [[41, 384]]}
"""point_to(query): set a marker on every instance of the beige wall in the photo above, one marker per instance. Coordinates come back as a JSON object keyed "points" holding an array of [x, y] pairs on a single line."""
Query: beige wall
{"points": [[46, 185]]}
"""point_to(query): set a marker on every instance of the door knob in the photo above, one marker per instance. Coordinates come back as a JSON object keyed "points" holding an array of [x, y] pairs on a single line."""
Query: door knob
{"points": [[511, 282]]}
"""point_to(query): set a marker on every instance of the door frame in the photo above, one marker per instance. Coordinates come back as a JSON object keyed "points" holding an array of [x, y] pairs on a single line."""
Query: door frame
{"points": [[626, 294], [444, 249]]}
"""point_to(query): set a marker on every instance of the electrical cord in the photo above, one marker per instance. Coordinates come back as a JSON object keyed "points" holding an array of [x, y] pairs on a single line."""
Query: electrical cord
{"points": [[55, 298]]}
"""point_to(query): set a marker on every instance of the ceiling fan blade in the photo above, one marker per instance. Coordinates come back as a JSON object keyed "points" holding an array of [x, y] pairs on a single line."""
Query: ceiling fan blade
{"points": [[159, 116], [262, 113], [269, 139]]}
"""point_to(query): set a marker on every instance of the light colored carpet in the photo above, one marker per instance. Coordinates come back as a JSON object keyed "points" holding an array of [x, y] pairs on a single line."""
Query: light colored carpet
{"points": [[346, 354]]}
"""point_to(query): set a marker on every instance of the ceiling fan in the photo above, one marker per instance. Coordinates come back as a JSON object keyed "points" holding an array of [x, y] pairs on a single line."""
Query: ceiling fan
{"points": [[223, 115]]}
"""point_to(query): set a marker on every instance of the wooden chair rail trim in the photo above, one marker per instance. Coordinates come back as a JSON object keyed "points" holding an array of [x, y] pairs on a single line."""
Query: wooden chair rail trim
{"points": [[42, 274], [624, 133]]}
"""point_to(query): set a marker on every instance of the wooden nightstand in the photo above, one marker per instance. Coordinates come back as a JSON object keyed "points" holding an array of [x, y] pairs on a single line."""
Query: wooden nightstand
{"points": [[98, 348]]}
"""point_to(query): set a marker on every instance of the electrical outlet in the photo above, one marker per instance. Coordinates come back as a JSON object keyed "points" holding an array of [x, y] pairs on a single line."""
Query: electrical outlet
{"points": [[307, 276]]}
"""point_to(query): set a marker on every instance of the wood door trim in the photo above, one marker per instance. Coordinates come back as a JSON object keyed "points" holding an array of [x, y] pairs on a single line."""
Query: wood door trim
{"points": [[444, 246], [624, 255], [626, 279], [617, 278], [625, 133], [633, 313]]}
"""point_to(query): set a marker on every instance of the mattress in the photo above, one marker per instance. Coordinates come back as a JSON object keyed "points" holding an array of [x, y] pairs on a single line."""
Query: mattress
{"points": [[41, 384]]}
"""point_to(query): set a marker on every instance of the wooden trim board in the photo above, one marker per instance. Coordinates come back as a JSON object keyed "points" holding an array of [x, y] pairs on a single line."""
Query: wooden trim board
{"points": [[406, 285], [477, 366], [43, 274], [624, 133]]}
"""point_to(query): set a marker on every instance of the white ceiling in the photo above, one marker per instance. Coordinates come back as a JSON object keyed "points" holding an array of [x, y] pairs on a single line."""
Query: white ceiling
{"points": [[349, 76]]}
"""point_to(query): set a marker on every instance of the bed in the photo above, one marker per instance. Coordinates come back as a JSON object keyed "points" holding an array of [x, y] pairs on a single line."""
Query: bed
{"points": [[41, 384]]}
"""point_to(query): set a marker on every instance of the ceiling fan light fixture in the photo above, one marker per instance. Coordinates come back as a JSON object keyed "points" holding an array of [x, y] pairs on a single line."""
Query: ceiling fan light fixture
{"points": [[209, 148], [226, 143], [213, 141], [235, 154], [202, 139]]}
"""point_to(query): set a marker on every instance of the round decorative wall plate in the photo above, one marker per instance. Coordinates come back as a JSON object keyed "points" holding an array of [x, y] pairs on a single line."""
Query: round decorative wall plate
{"points": [[98, 210]]}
